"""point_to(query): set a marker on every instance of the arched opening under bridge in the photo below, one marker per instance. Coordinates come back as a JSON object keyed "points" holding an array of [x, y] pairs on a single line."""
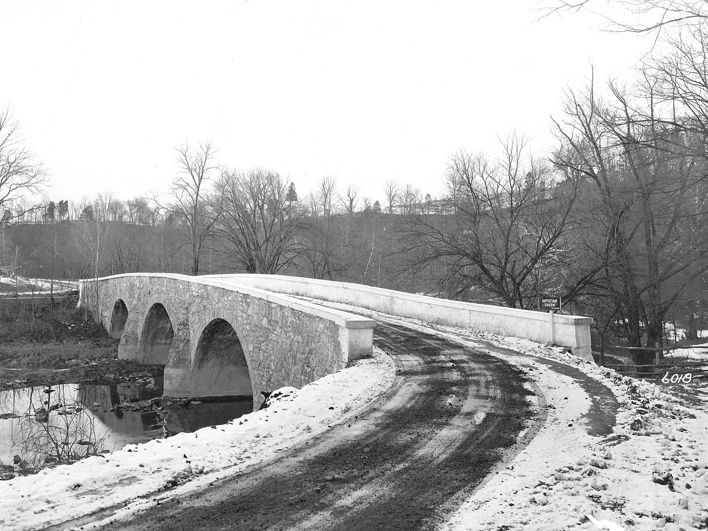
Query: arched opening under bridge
{"points": [[219, 367], [156, 337], [118, 318]]}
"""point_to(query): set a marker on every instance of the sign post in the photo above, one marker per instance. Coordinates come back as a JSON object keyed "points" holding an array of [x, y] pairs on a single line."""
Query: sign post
{"points": [[552, 304]]}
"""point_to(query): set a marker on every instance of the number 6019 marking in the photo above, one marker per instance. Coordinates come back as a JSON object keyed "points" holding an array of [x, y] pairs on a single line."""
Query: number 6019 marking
{"points": [[677, 378]]}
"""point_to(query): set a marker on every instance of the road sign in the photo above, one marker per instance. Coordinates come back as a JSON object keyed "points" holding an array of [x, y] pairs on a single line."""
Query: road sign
{"points": [[549, 302]]}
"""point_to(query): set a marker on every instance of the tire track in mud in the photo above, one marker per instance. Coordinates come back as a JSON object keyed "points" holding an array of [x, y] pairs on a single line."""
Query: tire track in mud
{"points": [[601, 416], [454, 415]]}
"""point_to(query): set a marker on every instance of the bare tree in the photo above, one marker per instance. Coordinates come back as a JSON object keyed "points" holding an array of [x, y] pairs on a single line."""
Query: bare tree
{"points": [[257, 227], [680, 80], [313, 203], [140, 212], [505, 229], [103, 206], [189, 194], [349, 200], [645, 207], [322, 241], [19, 174], [117, 210], [349, 235], [76, 208], [391, 189], [326, 193], [131, 207], [645, 16], [410, 199], [90, 237]]}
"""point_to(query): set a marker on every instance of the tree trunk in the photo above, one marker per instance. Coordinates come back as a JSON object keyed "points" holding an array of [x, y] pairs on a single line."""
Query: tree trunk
{"points": [[692, 331]]}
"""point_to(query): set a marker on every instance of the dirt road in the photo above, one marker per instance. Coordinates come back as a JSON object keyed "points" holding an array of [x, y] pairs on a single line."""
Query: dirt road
{"points": [[453, 415]]}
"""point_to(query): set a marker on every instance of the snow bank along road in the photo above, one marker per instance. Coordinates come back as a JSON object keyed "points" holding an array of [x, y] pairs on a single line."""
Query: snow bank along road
{"points": [[452, 417]]}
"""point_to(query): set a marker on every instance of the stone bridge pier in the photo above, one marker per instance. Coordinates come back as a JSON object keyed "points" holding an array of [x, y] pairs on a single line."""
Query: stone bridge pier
{"points": [[218, 339]]}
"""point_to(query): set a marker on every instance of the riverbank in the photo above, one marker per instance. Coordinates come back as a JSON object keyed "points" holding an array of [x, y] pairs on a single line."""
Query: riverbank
{"points": [[48, 344]]}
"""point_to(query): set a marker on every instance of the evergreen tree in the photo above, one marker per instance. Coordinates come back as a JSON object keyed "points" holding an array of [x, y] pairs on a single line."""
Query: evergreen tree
{"points": [[87, 213], [63, 208], [291, 196], [49, 212]]}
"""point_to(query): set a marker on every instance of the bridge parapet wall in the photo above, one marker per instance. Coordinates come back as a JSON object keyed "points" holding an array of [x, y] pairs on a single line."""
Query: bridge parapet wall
{"points": [[285, 341], [568, 330]]}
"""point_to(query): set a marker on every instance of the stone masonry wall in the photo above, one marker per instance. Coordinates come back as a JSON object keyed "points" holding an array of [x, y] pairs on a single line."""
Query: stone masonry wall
{"points": [[282, 345]]}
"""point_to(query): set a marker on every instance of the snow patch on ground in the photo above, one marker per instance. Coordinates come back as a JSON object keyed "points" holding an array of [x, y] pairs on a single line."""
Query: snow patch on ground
{"points": [[696, 352], [190, 461], [17, 285]]}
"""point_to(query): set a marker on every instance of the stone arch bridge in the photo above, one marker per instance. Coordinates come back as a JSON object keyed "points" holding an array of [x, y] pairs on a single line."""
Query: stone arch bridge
{"points": [[219, 338], [240, 335]]}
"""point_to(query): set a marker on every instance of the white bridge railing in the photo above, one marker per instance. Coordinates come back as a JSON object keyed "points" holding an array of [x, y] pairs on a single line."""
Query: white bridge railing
{"points": [[567, 330]]}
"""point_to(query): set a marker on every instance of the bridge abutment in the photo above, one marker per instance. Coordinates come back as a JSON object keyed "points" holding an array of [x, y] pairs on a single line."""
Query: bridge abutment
{"points": [[179, 363], [129, 340]]}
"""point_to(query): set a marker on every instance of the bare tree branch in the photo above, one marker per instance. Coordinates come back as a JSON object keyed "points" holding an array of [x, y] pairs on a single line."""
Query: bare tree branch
{"points": [[19, 174], [258, 225], [190, 203]]}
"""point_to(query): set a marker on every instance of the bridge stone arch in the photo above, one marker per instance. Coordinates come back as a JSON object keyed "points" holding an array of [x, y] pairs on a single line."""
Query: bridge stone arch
{"points": [[156, 335], [119, 316], [219, 363]]}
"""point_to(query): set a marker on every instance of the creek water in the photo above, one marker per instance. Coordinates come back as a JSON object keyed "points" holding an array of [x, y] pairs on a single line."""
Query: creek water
{"points": [[43, 425]]}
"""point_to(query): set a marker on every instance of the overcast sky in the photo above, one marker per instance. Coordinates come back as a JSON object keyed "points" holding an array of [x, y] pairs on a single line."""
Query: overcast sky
{"points": [[360, 91]]}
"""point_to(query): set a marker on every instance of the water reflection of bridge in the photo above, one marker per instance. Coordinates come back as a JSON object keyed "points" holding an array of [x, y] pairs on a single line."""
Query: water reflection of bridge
{"points": [[133, 423], [198, 415], [116, 407]]}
